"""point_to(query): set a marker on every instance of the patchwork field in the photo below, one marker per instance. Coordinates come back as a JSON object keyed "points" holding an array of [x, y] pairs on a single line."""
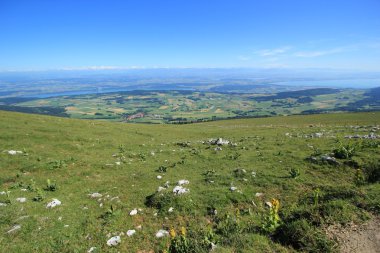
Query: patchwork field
{"points": [[268, 185], [194, 106]]}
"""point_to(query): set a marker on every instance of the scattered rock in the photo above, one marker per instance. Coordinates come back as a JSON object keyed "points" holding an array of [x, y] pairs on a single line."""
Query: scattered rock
{"points": [[160, 188], [259, 194], [95, 195], [219, 142], [178, 190], [14, 152], [114, 241], [182, 182], [14, 228], [53, 203], [162, 233], [21, 200], [115, 198], [92, 249], [324, 159], [329, 159], [159, 177], [171, 209], [368, 136], [133, 212], [131, 232]]}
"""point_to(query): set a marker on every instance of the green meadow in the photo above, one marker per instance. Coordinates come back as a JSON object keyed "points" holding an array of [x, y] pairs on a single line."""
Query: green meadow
{"points": [[275, 187]]}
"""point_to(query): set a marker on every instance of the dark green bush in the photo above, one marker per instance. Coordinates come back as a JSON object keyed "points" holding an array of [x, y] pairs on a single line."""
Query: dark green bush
{"points": [[228, 225], [165, 200], [304, 237], [344, 151], [372, 172]]}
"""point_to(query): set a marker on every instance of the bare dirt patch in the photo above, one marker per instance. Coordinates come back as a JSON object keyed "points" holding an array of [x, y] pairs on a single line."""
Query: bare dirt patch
{"points": [[118, 110], [71, 108], [352, 238]]}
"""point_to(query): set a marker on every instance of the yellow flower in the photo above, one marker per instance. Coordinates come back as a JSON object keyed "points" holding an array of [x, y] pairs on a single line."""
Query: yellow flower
{"points": [[275, 204], [172, 233], [183, 231]]}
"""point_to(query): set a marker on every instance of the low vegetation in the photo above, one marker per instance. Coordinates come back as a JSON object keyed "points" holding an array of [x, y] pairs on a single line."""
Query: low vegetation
{"points": [[247, 185]]}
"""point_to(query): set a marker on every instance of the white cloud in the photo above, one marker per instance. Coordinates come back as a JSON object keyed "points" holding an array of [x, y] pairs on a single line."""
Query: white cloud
{"points": [[244, 58], [102, 68], [310, 54], [273, 52]]}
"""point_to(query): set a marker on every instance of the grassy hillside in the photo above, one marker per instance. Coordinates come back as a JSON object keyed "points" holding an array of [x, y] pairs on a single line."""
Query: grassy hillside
{"points": [[280, 158]]}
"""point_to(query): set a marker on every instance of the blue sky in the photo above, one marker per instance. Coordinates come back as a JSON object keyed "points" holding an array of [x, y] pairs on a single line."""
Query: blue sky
{"points": [[75, 34]]}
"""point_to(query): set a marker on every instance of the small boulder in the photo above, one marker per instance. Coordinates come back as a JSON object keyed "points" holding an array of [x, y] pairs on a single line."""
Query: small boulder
{"points": [[95, 195], [133, 212], [21, 200], [182, 182], [14, 228], [114, 241], [53, 203], [131, 232], [162, 233]]}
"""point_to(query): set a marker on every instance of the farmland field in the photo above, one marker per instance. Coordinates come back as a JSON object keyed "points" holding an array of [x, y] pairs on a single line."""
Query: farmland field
{"points": [[195, 106]]}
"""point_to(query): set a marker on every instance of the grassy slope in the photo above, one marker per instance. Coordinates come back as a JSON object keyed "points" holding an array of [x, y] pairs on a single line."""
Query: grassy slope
{"points": [[75, 154]]}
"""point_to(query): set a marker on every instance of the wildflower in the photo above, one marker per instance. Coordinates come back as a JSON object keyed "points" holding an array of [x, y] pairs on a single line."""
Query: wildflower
{"points": [[275, 204], [172, 233], [183, 231]]}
